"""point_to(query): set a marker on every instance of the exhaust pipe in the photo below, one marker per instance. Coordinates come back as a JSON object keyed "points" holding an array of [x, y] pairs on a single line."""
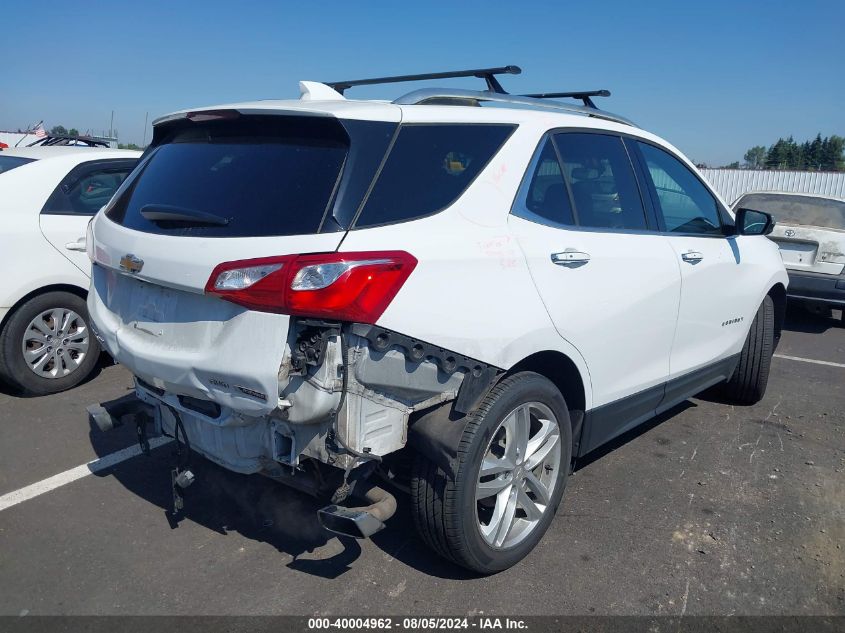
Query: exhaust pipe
{"points": [[360, 522]]}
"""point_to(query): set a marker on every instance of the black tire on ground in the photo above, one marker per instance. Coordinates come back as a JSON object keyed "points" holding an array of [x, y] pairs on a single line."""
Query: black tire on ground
{"points": [[748, 383], [445, 509], [13, 366]]}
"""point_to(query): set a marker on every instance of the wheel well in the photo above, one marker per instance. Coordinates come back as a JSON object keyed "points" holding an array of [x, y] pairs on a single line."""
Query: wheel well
{"points": [[76, 290], [778, 295], [560, 369]]}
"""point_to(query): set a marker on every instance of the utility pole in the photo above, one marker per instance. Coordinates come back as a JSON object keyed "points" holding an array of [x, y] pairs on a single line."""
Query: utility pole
{"points": [[111, 125], [144, 142]]}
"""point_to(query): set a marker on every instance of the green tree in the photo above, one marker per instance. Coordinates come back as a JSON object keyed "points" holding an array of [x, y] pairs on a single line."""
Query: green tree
{"points": [[127, 146], [805, 151], [73, 132], [790, 153], [814, 155], [755, 157], [776, 155], [831, 153], [58, 130]]}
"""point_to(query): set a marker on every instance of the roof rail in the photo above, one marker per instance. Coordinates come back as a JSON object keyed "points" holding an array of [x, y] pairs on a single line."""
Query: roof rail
{"points": [[487, 74], [450, 96]]}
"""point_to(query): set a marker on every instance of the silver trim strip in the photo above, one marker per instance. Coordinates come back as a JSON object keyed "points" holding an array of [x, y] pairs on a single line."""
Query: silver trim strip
{"points": [[420, 97]]}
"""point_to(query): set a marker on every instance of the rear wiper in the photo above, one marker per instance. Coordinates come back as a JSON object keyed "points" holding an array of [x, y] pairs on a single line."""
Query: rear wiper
{"points": [[167, 213]]}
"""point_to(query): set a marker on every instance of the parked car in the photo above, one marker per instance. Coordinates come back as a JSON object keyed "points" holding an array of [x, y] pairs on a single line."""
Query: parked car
{"points": [[47, 197], [323, 289], [810, 232]]}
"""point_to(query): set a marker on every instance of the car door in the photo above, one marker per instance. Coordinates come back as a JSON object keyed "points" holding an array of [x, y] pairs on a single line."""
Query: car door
{"points": [[80, 194], [716, 308], [609, 280]]}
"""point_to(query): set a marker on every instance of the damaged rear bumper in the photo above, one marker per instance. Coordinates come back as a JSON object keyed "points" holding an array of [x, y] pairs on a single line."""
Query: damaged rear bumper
{"points": [[344, 392], [347, 394]]}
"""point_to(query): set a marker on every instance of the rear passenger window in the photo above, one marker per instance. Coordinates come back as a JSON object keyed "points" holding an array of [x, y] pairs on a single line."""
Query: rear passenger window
{"points": [[428, 168], [543, 196], [602, 181], [88, 187], [684, 202]]}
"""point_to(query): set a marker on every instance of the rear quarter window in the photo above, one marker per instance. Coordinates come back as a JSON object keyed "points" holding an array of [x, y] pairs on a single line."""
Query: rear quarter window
{"points": [[7, 163], [428, 168]]}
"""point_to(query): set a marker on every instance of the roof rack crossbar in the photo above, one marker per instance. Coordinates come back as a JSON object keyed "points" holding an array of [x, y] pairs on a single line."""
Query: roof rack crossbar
{"points": [[584, 96], [435, 95], [487, 74]]}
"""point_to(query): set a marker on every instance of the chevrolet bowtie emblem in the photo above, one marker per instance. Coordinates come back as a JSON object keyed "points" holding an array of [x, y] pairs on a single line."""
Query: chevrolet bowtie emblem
{"points": [[131, 264]]}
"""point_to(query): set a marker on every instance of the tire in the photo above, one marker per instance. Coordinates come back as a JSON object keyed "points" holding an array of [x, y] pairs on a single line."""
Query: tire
{"points": [[446, 512], [748, 383], [60, 371]]}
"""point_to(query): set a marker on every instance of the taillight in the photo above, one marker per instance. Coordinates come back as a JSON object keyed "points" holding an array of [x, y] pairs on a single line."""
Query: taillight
{"points": [[340, 286]]}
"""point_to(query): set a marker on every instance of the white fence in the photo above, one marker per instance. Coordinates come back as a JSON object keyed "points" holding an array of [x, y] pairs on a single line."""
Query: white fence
{"points": [[732, 183]]}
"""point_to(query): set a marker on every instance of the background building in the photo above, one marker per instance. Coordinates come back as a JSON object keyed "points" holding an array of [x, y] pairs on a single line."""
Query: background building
{"points": [[732, 183]]}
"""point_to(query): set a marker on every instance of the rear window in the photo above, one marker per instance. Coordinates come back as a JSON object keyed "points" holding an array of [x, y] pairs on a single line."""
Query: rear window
{"points": [[253, 177], [428, 168], [7, 163], [791, 209]]}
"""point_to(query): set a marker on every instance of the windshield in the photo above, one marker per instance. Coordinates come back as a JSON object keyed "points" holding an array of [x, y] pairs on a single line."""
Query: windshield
{"points": [[8, 163], [793, 209]]}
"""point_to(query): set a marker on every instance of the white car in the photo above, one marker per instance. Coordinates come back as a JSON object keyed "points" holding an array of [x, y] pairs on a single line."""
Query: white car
{"points": [[810, 232], [47, 197], [466, 297]]}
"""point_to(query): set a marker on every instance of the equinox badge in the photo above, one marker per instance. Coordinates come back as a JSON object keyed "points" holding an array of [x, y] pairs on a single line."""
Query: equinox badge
{"points": [[131, 264]]}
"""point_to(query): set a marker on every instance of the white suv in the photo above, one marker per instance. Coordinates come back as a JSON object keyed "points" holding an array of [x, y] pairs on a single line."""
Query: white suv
{"points": [[466, 298]]}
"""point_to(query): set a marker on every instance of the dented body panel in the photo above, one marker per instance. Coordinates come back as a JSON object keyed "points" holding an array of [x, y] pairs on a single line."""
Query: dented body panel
{"points": [[384, 387]]}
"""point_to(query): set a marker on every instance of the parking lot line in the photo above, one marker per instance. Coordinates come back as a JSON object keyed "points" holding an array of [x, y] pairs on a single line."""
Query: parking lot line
{"points": [[810, 360], [56, 481]]}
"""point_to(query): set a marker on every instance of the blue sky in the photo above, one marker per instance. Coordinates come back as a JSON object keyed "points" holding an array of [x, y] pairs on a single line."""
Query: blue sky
{"points": [[714, 78]]}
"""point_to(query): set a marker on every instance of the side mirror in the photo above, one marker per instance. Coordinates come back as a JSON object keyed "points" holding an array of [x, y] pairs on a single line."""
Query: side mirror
{"points": [[751, 222]]}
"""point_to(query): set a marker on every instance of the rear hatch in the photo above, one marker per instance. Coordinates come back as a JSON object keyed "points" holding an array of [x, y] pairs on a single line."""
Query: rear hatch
{"points": [[810, 230], [217, 187]]}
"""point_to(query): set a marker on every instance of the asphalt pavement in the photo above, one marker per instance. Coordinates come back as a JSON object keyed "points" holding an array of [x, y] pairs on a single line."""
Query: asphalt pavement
{"points": [[710, 509]]}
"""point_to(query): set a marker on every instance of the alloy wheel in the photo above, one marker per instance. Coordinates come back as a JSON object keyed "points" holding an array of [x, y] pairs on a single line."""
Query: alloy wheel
{"points": [[518, 475]]}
